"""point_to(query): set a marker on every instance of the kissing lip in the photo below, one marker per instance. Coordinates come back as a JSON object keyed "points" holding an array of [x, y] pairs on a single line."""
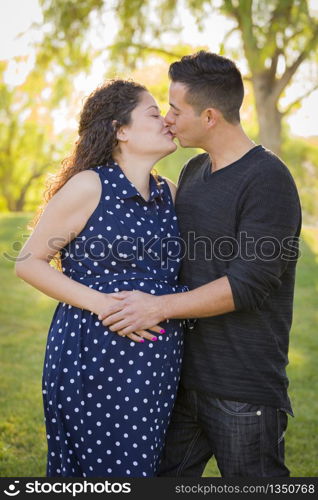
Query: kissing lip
{"points": [[169, 133]]}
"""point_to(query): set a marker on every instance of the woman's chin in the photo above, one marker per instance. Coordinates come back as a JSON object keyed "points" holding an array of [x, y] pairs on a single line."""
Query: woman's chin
{"points": [[166, 152], [171, 150], [173, 147]]}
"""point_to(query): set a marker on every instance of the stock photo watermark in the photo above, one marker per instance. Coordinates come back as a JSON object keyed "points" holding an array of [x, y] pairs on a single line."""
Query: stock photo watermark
{"points": [[167, 249]]}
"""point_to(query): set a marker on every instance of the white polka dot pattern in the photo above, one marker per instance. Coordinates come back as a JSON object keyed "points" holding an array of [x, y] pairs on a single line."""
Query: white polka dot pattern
{"points": [[108, 400]]}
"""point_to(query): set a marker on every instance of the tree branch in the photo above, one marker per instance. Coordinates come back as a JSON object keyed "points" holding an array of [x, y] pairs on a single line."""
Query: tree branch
{"points": [[297, 101], [274, 62], [282, 11], [35, 174], [244, 18], [231, 9], [145, 48], [228, 34], [287, 40], [291, 70]]}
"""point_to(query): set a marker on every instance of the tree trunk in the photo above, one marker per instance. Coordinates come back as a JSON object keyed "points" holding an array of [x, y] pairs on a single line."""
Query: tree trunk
{"points": [[20, 201], [6, 193], [19, 206], [268, 116]]}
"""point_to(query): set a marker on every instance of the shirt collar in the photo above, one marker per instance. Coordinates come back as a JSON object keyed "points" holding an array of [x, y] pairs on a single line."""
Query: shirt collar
{"points": [[126, 189]]}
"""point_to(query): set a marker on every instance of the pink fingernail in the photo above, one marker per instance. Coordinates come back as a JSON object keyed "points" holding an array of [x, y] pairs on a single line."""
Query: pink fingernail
{"points": [[162, 331], [142, 340], [154, 338]]}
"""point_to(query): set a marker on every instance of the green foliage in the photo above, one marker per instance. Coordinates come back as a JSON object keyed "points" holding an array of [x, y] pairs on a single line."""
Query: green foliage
{"points": [[285, 27], [25, 316], [301, 156], [282, 31], [66, 22], [28, 146], [275, 34], [22, 338]]}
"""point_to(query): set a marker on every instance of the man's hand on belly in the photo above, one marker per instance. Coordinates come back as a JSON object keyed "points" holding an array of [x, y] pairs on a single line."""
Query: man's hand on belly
{"points": [[140, 311]]}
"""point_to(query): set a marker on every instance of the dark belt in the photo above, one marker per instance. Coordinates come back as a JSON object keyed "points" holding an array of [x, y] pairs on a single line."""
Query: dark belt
{"points": [[189, 324]]}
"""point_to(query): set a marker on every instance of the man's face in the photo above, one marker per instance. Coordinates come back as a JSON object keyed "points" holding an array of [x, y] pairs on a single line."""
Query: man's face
{"points": [[183, 120]]}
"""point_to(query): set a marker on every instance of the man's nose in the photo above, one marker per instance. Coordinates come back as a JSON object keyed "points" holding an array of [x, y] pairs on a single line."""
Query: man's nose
{"points": [[169, 118]]}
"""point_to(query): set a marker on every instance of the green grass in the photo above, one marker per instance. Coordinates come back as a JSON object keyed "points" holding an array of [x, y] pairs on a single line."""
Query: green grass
{"points": [[25, 316]]}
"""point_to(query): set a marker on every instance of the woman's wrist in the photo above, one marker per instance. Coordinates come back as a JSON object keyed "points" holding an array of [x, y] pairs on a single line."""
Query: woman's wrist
{"points": [[97, 302]]}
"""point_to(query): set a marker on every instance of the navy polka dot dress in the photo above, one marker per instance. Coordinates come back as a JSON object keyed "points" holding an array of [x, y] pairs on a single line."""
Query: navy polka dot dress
{"points": [[107, 399]]}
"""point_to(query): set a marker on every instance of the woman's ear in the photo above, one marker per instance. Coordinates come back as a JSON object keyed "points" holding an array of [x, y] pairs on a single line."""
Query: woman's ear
{"points": [[120, 131]]}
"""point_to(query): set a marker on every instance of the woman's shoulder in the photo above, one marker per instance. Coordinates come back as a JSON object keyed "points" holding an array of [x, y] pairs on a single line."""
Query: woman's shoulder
{"points": [[83, 183], [81, 190]]}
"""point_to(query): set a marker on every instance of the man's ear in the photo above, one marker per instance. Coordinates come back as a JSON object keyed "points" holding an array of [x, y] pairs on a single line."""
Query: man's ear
{"points": [[210, 117]]}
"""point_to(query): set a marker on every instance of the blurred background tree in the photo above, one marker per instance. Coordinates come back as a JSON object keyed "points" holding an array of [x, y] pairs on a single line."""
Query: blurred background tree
{"points": [[270, 41], [76, 44], [29, 146], [276, 37]]}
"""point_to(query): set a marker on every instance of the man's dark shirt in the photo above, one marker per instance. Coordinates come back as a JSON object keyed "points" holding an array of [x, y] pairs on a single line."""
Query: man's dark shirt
{"points": [[243, 222]]}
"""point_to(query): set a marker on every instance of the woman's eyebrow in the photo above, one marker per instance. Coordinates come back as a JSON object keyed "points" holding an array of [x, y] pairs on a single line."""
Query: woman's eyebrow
{"points": [[153, 106]]}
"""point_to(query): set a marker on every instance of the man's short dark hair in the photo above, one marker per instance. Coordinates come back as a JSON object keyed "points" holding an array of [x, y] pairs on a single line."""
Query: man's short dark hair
{"points": [[213, 81]]}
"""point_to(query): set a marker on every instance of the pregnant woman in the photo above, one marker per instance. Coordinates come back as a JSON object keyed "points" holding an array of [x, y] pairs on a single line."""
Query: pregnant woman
{"points": [[112, 225]]}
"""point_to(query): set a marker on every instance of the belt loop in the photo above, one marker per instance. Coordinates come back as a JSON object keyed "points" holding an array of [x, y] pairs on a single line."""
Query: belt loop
{"points": [[189, 324]]}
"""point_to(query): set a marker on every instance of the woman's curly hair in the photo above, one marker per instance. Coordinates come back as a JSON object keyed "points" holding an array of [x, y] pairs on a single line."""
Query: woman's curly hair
{"points": [[104, 111]]}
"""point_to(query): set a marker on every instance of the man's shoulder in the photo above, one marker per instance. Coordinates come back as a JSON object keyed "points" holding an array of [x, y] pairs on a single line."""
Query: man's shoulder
{"points": [[197, 161], [270, 165], [194, 164], [268, 175]]}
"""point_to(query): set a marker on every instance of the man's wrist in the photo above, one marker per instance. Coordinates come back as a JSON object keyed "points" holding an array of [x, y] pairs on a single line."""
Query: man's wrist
{"points": [[163, 301]]}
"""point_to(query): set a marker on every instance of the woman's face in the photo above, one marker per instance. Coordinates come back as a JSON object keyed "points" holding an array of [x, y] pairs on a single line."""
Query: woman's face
{"points": [[147, 134]]}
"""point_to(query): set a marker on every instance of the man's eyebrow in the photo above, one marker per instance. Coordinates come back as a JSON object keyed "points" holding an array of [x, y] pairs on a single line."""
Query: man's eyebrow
{"points": [[174, 107]]}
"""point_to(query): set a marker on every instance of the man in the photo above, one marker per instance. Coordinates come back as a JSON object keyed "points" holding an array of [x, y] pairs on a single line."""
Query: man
{"points": [[239, 213]]}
